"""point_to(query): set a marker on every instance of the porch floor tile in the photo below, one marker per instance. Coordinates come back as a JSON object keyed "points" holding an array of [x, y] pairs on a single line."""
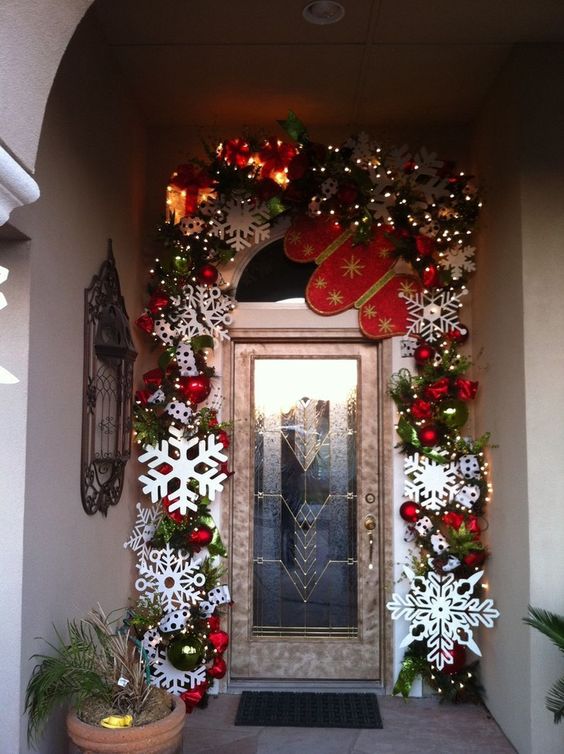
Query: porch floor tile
{"points": [[418, 726]]}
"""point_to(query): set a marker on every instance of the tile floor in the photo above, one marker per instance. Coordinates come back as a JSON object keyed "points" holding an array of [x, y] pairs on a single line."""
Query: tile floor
{"points": [[418, 726]]}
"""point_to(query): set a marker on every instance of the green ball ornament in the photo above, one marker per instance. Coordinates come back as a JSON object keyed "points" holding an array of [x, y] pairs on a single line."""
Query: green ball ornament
{"points": [[185, 652], [453, 413]]}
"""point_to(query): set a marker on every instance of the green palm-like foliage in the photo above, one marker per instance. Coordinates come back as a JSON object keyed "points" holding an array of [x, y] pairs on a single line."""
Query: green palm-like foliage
{"points": [[86, 664], [551, 625]]}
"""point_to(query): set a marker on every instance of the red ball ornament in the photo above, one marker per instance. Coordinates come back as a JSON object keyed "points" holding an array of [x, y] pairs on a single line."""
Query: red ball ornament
{"points": [[455, 659], [428, 435], [409, 511], [459, 334], [213, 623], [423, 354], [207, 274], [219, 640], [195, 389], [200, 537], [218, 669], [475, 558]]}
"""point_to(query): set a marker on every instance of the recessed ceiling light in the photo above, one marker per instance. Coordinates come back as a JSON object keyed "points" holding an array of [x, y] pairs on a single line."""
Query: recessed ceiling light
{"points": [[323, 12]]}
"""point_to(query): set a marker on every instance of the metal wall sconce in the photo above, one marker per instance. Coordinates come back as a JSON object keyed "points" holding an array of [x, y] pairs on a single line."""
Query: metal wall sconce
{"points": [[109, 356]]}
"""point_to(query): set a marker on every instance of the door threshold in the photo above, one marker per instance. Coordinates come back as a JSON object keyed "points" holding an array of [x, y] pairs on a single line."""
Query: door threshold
{"points": [[262, 684]]}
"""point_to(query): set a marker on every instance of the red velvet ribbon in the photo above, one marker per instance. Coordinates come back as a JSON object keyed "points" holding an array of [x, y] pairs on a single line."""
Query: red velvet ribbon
{"points": [[465, 389], [425, 246], [191, 179], [154, 377], [145, 323], [157, 302], [193, 697], [438, 389], [219, 640], [142, 396], [421, 409]]}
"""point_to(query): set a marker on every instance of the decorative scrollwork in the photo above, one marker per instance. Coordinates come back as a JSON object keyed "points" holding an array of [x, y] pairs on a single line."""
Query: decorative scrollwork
{"points": [[109, 356]]}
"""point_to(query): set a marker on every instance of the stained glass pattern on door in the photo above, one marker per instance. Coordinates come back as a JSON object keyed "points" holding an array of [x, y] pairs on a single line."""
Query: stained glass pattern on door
{"points": [[304, 549]]}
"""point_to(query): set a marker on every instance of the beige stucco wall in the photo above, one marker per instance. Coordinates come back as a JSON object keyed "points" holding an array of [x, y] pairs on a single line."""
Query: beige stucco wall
{"points": [[33, 38], [518, 315], [90, 168]]}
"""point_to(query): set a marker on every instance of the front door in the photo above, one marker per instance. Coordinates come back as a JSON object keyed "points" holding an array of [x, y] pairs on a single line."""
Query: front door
{"points": [[306, 566]]}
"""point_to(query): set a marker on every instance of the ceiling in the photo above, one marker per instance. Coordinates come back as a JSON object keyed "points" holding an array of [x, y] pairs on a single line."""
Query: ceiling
{"points": [[234, 62]]}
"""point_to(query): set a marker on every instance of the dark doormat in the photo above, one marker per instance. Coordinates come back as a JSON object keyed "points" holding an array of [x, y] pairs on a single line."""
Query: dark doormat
{"points": [[308, 710]]}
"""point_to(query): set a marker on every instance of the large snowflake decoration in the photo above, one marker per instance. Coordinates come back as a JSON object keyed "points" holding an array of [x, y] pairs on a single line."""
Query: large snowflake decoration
{"points": [[432, 315], [187, 460], [163, 673], [443, 611], [143, 531], [426, 176], [428, 483], [241, 223], [198, 310], [173, 575], [6, 377], [458, 260], [362, 146]]}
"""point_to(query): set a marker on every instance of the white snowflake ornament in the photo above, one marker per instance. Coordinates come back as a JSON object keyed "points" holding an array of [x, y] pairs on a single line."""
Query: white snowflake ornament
{"points": [[6, 377], [426, 178], [241, 223], [173, 575], [432, 315], [186, 465], [458, 260], [163, 672], [443, 611], [201, 310], [469, 466], [428, 483], [144, 530], [362, 146]]}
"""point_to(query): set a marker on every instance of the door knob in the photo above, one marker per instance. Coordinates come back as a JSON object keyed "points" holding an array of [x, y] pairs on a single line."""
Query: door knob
{"points": [[370, 525]]}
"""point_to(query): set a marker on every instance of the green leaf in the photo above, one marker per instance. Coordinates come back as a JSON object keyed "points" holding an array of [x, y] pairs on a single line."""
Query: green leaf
{"points": [[165, 358], [294, 127], [407, 432], [275, 206], [550, 624]]}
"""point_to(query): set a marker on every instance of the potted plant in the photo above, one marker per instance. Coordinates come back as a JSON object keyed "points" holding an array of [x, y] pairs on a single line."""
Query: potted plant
{"points": [[551, 625], [100, 673]]}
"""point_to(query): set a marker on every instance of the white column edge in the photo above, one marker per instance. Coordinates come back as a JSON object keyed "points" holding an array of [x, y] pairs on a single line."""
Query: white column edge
{"points": [[17, 187]]}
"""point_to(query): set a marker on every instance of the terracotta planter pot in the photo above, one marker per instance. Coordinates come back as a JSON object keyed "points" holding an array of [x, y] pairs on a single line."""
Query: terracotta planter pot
{"points": [[161, 737]]}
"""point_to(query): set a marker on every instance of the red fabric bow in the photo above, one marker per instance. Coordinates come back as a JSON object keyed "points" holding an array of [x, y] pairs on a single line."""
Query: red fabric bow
{"points": [[438, 389], [425, 246], [145, 323], [157, 302], [142, 397], [154, 377], [193, 697], [465, 389], [421, 409]]}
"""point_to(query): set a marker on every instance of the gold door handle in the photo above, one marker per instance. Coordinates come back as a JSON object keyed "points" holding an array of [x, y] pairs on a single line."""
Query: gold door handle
{"points": [[370, 525]]}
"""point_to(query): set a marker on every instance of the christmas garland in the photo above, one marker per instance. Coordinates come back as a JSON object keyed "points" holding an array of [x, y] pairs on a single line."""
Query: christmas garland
{"points": [[413, 210]]}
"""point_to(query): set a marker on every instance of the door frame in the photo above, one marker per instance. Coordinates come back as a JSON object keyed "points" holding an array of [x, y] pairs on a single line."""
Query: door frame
{"points": [[320, 332]]}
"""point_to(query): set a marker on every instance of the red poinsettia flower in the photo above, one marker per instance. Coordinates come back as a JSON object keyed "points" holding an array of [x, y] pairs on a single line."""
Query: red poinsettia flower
{"points": [[438, 389], [275, 156], [236, 152]]}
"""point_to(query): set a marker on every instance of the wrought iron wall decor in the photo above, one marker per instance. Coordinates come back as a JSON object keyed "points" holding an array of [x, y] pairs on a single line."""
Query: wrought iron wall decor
{"points": [[109, 356]]}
